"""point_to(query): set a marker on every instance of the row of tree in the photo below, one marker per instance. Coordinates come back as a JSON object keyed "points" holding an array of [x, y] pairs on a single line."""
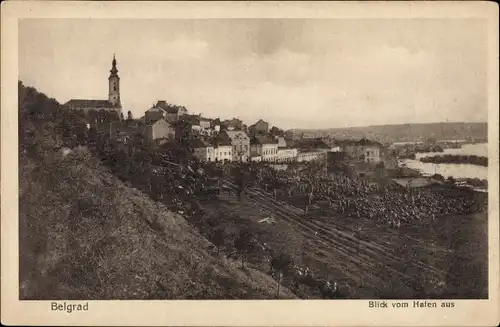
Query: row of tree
{"points": [[457, 159]]}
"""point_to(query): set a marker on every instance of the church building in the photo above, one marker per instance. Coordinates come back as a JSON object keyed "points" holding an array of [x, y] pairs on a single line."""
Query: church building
{"points": [[111, 105]]}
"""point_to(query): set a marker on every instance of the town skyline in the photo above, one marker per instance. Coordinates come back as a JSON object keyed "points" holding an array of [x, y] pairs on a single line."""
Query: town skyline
{"points": [[277, 70]]}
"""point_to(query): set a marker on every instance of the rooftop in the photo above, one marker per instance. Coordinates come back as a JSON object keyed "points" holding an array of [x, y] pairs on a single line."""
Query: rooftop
{"points": [[282, 142], [154, 121], [170, 108], [235, 122], [237, 135], [263, 139], [313, 143], [260, 121], [221, 140], [199, 143]]}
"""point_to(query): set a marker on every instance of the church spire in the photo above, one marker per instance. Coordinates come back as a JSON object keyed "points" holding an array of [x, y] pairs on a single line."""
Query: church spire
{"points": [[114, 85], [114, 70]]}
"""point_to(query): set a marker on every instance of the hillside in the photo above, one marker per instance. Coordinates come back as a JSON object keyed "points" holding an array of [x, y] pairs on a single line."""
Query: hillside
{"points": [[403, 132], [84, 234]]}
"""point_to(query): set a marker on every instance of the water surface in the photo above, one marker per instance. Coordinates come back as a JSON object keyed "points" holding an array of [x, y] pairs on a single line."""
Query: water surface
{"points": [[454, 170]]}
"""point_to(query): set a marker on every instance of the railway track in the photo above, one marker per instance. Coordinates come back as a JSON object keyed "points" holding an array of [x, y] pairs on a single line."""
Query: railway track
{"points": [[365, 255], [349, 261], [388, 251]]}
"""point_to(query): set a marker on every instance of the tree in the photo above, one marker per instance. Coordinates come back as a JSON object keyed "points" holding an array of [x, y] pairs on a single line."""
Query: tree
{"points": [[101, 116], [214, 221], [281, 264], [275, 131], [242, 244], [431, 141], [129, 115], [218, 236], [92, 116], [223, 127], [216, 122], [240, 181], [438, 177]]}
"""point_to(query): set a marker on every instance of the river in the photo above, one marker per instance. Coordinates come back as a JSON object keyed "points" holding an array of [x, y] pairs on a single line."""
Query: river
{"points": [[454, 170]]}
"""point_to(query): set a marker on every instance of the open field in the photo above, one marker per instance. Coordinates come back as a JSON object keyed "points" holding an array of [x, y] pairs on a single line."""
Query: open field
{"points": [[438, 260]]}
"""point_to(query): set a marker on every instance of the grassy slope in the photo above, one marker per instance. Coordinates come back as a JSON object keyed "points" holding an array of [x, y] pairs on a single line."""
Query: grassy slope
{"points": [[86, 235]]}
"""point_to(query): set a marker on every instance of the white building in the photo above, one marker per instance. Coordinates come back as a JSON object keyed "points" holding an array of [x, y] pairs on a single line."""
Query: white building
{"points": [[264, 147], [363, 149], [311, 155], [240, 143], [224, 153], [223, 148], [211, 130], [286, 154], [159, 129], [256, 159], [371, 154], [203, 150], [204, 124]]}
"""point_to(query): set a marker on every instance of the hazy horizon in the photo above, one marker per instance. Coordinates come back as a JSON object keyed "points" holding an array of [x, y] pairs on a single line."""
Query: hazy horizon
{"points": [[380, 125], [293, 73]]}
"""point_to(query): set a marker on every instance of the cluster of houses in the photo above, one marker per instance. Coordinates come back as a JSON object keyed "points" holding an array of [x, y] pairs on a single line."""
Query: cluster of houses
{"points": [[212, 139], [231, 140]]}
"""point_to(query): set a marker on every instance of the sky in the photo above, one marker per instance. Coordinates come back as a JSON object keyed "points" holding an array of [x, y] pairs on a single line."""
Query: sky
{"points": [[293, 73]]}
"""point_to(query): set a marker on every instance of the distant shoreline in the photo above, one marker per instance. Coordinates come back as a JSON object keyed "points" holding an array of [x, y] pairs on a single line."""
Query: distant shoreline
{"points": [[298, 129], [465, 132]]}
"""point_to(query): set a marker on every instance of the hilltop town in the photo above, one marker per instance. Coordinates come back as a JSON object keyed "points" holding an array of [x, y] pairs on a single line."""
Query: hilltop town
{"points": [[212, 139], [232, 140]]}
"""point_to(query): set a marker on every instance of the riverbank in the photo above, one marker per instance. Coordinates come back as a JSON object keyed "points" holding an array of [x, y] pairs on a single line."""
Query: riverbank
{"points": [[457, 171], [405, 175]]}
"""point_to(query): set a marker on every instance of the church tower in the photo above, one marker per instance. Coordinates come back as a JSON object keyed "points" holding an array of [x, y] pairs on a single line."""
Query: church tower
{"points": [[114, 85]]}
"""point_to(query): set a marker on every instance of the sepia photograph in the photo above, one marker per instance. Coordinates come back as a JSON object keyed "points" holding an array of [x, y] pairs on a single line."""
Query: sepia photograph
{"points": [[254, 158]]}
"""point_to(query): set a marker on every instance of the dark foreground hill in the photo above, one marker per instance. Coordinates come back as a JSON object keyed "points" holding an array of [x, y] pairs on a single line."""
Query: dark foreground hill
{"points": [[86, 235], [404, 132]]}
